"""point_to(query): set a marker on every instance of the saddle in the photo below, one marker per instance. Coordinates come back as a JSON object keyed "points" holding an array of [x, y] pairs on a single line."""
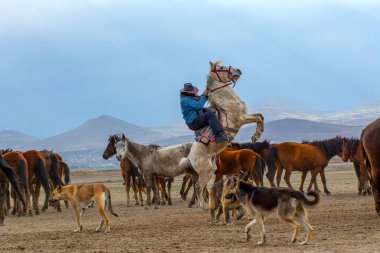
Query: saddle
{"points": [[204, 135]]}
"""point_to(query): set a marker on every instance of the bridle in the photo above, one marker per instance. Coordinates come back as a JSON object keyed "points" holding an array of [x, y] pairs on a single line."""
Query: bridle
{"points": [[230, 77]]}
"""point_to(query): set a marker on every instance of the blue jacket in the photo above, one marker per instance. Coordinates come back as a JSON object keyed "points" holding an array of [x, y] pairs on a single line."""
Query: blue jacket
{"points": [[192, 106]]}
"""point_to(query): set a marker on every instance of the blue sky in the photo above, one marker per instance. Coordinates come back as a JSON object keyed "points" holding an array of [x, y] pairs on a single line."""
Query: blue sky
{"points": [[63, 62]]}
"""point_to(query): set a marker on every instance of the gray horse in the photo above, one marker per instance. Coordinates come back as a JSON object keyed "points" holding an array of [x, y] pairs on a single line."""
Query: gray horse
{"points": [[153, 160]]}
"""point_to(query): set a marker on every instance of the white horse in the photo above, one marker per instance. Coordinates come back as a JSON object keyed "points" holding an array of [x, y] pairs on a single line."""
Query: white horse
{"points": [[153, 160], [233, 114]]}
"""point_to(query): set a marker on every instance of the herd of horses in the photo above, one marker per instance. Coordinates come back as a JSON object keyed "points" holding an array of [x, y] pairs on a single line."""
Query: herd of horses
{"points": [[27, 171], [147, 168]]}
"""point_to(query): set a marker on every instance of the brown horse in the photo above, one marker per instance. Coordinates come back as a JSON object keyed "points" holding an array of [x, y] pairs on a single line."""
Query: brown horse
{"points": [[8, 172], [37, 174], [131, 173], [352, 151], [311, 156], [370, 143], [20, 166]]}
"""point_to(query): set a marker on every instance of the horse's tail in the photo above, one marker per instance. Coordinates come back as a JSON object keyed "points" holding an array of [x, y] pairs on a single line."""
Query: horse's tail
{"points": [[108, 193], [11, 175], [54, 168], [259, 168], [301, 197], [40, 167], [271, 162], [21, 168], [66, 170], [367, 163]]}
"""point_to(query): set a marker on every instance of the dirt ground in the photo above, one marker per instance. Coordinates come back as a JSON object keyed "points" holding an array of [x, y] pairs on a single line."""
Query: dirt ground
{"points": [[343, 222]]}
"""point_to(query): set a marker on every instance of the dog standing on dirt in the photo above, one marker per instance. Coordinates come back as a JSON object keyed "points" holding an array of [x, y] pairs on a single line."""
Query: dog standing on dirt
{"points": [[83, 196], [262, 201]]}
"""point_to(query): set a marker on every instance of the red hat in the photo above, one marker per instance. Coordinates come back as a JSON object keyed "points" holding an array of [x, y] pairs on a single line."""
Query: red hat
{"points": [[189, 88]]}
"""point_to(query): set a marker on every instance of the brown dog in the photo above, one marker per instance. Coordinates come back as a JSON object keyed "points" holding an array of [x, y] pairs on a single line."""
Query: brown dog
{"points": [[262, 201], [83, 196]]}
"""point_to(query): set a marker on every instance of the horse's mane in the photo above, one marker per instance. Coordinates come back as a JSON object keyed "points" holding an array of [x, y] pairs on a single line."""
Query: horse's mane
{"points": [[353, 144], [257, 146], [331, 147]]}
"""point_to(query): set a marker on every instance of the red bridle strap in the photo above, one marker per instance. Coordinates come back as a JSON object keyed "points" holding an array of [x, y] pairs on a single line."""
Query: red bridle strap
{"points": [[214, 70]]}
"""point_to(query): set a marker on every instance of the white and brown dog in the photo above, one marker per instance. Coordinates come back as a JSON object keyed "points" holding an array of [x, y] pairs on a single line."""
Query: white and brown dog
{"points": [[83, 196], [262, 201]]}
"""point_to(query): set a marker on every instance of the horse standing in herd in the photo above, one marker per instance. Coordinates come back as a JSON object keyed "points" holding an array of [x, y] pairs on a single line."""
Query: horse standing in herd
{"points": [[369, 141], [308, 156], [233, 115]]}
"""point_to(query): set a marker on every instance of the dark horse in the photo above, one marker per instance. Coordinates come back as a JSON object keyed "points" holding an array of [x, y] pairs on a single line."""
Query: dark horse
{"points": [[370, 143], [311, 156], [351, 150], [8, 172]]}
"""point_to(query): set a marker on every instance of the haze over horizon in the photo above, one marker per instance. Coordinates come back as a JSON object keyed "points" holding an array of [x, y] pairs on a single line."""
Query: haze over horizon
{"points": [[64, 62]]}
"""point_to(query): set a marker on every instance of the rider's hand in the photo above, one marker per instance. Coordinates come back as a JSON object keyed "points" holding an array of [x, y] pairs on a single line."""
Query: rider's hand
{"points": [[205, 92]]}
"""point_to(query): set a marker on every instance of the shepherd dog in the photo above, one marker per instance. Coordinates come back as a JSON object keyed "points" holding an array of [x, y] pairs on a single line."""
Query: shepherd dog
{"points": [[219, 204], [263, 201], [83, 196]]}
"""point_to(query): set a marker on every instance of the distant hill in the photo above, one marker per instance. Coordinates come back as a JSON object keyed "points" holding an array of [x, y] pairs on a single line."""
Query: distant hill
{"points": [[10, 138], [298, 130], [94, 134], [84, 145]]}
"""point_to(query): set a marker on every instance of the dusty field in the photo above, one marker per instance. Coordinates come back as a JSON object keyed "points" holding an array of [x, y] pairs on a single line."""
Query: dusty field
{"points": [[343, 222]]}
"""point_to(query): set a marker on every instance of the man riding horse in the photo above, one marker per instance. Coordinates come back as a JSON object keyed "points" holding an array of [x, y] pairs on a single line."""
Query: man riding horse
{"points": [[196, 116]]}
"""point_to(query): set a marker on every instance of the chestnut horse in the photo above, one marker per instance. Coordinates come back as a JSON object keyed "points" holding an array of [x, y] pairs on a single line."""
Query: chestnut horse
{"points": [[370, 143], [312, 156], [352, 151], [37, 174], [8, 172], [20, 166]]}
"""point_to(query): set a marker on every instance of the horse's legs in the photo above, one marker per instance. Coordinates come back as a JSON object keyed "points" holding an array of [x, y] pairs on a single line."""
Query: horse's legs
{"points": [[185, 179], [8, 198], [127, 181], [201, 184], [14, 197], [314, 174], [2, 214], [360, 179], [189, 185], [259, 120], [288, 172], [323, 178], [148, 184], [156, 195], [140, 186], [32, 189], [279, 174], [37, 193], [135, 189], [303, 177], [169, 190]]}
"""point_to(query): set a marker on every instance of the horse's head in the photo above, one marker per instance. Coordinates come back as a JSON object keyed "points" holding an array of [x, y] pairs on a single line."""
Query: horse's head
{"points": [[121, 147], [345, 154], [110, 149], [224, 74]]}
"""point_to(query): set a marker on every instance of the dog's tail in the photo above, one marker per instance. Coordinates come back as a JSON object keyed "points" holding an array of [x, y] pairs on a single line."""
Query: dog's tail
{"points": [[108, 193], [301, 197]]}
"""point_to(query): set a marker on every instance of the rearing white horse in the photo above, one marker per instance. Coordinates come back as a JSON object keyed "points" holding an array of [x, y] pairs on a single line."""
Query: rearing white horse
{"points": [[233, 114]]}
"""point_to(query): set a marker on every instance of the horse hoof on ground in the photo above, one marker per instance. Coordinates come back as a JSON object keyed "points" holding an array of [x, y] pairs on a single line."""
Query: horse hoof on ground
{"points": [[19, 215], [37, 212], [155, 207], [137, 204], [328, 193], [183, 197], [170, 203]]}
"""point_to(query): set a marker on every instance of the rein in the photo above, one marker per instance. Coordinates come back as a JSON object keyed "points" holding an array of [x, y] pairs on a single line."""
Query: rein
{"points": [[214, 70]]}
